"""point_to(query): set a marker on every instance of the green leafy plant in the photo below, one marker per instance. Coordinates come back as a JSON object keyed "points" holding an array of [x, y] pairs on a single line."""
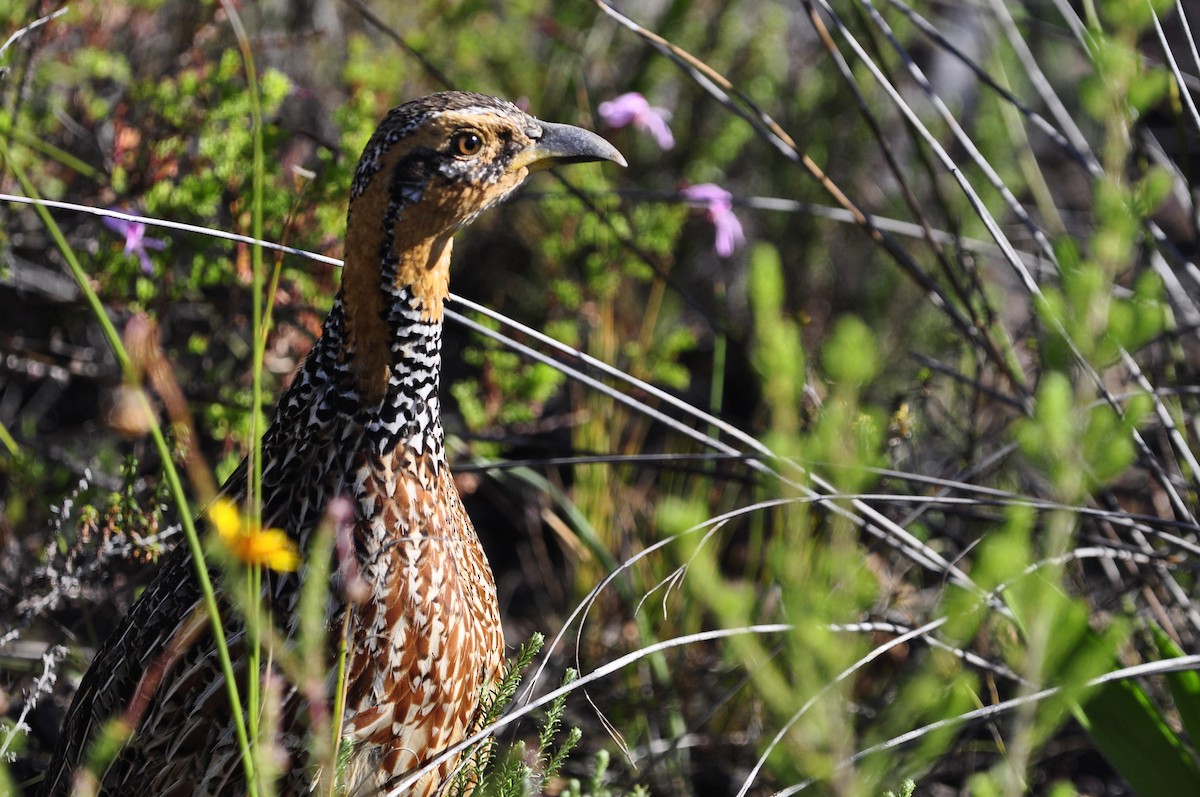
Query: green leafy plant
{"points": [[512, 772], [930, 483]]}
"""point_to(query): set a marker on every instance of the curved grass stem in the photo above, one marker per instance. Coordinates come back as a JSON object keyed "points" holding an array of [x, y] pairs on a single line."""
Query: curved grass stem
{"points": [[170, 473]]}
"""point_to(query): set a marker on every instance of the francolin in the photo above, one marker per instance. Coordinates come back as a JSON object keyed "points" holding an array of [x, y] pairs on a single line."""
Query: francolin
{"points": [[362, 420]]}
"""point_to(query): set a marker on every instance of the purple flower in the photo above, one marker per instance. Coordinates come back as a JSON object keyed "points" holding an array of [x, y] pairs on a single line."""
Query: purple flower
{"points": [[135, 240], [718, 206], [634, 109]]}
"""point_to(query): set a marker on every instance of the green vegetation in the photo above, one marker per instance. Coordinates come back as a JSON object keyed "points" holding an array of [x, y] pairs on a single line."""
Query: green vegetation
{"points": [[919, 495]]}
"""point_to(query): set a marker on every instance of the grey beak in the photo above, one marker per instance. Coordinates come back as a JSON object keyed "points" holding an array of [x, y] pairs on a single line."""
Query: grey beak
{"points": [[566, 144]]}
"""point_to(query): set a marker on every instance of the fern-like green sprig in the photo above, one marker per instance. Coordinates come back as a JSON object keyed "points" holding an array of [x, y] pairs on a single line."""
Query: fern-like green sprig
{"points": [[473, 772], [515, 774]]}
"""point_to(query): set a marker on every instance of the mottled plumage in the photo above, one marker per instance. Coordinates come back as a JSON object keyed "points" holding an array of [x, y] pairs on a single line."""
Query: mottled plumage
{"points": [[361, 420]]}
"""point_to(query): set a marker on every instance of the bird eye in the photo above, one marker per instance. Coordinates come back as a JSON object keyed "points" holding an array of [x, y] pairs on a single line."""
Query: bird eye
{"points": [[466, 143]]}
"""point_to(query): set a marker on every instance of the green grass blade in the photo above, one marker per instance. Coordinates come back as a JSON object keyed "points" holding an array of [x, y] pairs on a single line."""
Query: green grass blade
{"points": [[1184, 686], [170, 473], [1134, 737]]}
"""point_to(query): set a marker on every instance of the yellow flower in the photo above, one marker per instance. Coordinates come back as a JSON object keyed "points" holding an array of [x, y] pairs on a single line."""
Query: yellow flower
{"points": [[249, 542]]}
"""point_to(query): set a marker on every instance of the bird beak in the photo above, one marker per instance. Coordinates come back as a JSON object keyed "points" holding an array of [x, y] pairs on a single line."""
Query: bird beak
{"points": [[565, 144]]}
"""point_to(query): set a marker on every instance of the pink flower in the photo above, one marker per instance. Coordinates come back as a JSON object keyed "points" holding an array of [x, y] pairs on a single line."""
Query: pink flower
{"points": [[135, 240], [718, 206], [634, 109]]}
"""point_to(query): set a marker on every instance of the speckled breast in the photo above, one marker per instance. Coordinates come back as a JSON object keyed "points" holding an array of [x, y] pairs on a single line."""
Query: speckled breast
{"points": [[429, 640]]}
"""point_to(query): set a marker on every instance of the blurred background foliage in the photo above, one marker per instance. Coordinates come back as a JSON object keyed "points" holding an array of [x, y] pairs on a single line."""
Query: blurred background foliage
{"points": [[1000, 396]]}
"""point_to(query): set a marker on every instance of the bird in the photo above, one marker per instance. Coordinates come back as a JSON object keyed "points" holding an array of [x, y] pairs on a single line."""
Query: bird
{"points": [[360, 421]]}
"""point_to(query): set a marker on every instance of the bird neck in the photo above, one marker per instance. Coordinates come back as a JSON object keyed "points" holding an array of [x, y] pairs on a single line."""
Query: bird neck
{"points": [[408, 413], [393, 287], [382, 272]]}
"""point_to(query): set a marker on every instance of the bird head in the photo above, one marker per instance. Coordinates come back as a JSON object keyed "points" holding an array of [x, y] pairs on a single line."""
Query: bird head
{"points": [[440, 160], [430, 168]]}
